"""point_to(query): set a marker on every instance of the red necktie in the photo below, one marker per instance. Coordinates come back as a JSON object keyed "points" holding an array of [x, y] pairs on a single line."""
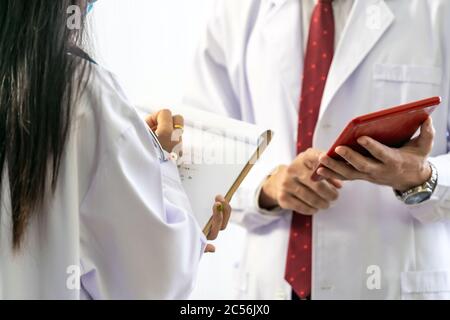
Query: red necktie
{"points": [[319, 55]]}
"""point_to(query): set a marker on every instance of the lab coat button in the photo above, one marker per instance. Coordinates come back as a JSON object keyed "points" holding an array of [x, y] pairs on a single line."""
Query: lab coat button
{"points": [[280, 295], [326, 287]]}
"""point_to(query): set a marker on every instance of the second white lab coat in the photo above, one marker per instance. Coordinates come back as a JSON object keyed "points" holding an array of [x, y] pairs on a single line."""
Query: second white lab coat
{"points": [[119, 224], [368, 245]]}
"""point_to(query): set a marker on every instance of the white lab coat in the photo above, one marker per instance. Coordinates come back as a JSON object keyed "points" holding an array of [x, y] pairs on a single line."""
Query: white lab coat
{"points": [[368, 245], [119, 217]]}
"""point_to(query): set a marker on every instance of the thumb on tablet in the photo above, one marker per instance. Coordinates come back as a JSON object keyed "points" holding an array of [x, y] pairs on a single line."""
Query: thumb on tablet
{"points": [[426, 138], [427, 131]]}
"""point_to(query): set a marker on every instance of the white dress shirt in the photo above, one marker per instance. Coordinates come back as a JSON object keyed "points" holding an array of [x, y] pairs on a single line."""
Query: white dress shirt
{"points": [[341, 10]]}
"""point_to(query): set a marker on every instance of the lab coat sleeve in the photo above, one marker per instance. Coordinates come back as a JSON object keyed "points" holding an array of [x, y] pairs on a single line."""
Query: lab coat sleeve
{"points": [[139, 239], [438, 207]]}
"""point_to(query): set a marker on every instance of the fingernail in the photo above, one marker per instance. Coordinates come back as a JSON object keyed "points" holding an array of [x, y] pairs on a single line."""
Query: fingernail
{"points": [[362, 141], [340, 151], [219, 207]]}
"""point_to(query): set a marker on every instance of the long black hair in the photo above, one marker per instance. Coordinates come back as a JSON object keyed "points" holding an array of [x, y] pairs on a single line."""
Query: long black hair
{"points": [[37, 91]]}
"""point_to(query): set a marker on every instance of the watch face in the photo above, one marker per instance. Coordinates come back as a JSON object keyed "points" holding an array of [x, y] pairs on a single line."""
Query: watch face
{"points": [[418, 197]]}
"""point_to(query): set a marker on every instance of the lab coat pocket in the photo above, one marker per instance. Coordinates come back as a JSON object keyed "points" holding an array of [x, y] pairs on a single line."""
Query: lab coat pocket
{"points": [[398, 84], [425, 285]]}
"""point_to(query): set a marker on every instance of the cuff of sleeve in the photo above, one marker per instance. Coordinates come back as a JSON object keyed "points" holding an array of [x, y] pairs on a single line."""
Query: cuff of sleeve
{"points": [[203, 244], [274, 212], [437, 207]]}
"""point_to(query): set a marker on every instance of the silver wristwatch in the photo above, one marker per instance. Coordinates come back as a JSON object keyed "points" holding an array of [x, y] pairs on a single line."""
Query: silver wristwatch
{"points": [[421, 193]]}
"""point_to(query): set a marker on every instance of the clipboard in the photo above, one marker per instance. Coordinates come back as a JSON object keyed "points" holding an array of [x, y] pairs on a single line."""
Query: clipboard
{"points": [[265, 140]]}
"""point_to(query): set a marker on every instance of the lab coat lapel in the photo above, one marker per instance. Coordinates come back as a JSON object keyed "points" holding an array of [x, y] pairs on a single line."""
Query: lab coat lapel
{"points": [[274, 6], [368, 21]]}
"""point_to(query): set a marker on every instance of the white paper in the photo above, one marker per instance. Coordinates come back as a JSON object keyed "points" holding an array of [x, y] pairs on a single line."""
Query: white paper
{"points": [[215, 150]]}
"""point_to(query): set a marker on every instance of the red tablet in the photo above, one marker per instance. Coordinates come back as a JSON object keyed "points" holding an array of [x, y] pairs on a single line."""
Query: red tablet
{"points": [[392, 127]]}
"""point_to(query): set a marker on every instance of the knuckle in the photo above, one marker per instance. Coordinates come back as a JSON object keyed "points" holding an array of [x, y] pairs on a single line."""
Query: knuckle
{"points": [[322, 188], [390, 161], [213, 236], [303, 177], [291, 171], [394, 165], [299, 207], [349, 156], [285, 185], [310, 211], [283, 199], [334, 196], [351, 177], [165, 111], [302, 193], [379, 154], [316, 203], [364, 167], [324, 205]]}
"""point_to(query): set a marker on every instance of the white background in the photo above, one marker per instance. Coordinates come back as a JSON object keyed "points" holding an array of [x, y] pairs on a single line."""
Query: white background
{"points": [[149, 45]]}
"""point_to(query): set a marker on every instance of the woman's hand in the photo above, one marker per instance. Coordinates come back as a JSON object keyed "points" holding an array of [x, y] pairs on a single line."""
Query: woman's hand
{"points": [[168, 129], [220, 219]]}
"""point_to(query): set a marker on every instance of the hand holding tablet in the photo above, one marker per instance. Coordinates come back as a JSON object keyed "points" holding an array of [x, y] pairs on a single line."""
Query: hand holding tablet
{"points": [[384, 134]]}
